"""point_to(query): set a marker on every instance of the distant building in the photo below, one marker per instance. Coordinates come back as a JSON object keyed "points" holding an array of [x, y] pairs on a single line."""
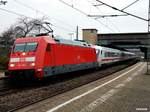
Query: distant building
{"points": [[90, 35], [128, 41]]}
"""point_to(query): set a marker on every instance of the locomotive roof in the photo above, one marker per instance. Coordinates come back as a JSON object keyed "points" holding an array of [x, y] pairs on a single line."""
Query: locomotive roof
{"points": [[53, 40], [35, 39], [72, 42]]}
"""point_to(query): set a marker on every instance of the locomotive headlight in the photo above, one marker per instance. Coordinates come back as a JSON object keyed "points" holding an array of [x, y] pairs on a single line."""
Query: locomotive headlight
{"points": [[23, 53], [12, 65], [39, 69], [32, 64]]}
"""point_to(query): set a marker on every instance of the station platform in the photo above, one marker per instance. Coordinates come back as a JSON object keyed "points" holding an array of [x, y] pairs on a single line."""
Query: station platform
{"points": [[125, 91]]}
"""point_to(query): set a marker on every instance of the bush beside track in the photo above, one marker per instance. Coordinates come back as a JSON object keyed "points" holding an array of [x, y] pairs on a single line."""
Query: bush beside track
{"points": [[4, 58], [3, 62]]}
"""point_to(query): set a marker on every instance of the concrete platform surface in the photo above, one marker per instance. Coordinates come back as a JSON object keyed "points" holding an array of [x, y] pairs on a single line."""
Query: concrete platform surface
{"points": [[125, 91]]}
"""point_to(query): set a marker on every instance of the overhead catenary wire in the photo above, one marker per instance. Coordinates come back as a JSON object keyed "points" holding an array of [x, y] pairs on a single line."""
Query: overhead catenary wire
{"points": [[114, 8], [21, 15], [12, 12], [103, 16], [106, 18], [130, 5], [73, 7], [85, 14], [43, 13], [104, 25]]}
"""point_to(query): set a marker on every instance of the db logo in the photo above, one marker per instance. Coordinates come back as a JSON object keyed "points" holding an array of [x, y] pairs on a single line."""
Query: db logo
{"points": [[22, 59]]}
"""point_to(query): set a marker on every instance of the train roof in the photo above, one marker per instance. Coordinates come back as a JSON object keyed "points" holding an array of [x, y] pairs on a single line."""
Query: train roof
{"points": [[35, 39], [72, 42], [106, 48], [128, 52], [53, 40]]}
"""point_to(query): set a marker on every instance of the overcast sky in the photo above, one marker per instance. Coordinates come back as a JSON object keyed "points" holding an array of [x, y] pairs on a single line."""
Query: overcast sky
{"points": [[65, 19]]}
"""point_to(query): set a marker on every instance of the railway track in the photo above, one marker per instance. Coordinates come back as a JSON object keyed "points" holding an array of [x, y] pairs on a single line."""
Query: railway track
{"points": [[15, 101], [4, 86], [5, 91]]}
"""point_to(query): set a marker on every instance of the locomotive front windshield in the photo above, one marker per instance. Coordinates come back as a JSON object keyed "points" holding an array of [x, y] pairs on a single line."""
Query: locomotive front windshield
{"points": [[30, 47], [25, 47]]}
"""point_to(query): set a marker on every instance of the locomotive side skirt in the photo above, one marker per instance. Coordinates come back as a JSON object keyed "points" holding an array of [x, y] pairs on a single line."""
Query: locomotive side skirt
{"points": [[49, 71]]}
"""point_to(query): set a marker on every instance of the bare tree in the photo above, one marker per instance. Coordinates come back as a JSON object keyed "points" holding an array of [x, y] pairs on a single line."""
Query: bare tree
{"points": [[26, 26], [7, 37]]}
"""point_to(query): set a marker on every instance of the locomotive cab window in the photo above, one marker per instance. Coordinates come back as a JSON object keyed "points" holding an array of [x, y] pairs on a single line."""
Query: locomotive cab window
{"points": [[19, 47], [48, 48], [25, 47], [31, 46]]}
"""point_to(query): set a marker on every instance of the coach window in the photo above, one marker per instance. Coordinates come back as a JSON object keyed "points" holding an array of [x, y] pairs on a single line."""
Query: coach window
{"points": [[48, 47], [106, 54], [115, 54]]}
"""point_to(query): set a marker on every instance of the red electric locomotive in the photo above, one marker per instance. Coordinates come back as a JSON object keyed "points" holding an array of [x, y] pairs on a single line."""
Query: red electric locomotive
{"points": [[45, 56]]}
